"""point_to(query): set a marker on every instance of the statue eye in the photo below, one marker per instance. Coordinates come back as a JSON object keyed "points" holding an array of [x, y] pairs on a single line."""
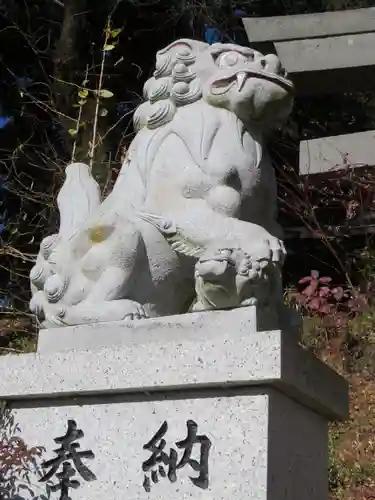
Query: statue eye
{"points": [[228, 59]]}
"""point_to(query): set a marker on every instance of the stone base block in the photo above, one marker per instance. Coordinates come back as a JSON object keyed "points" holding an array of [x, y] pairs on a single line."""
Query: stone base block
{"points": [[233, 416], [263, 445], [198, 325]]}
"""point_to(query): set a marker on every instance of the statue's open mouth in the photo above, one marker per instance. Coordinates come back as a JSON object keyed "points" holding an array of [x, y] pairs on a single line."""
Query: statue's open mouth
{"points": [[221, 85]]}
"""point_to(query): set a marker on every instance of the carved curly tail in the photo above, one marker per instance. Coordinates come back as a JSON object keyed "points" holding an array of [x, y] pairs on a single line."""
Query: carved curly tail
{"points": [[78, 197]]}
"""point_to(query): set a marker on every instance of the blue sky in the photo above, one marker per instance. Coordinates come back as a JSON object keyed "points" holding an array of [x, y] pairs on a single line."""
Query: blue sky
{"points": [[3, 121]]}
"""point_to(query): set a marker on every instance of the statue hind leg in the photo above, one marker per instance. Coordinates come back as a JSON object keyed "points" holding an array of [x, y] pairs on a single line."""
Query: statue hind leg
{"points": [[88, 313], [99, 287]]}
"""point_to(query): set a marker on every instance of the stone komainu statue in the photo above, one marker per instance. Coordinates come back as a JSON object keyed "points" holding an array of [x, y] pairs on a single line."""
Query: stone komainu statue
{"points": [[191, 221]]}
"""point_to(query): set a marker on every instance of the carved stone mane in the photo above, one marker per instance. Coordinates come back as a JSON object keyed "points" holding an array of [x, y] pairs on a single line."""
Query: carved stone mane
{"points": [[193, 209]]}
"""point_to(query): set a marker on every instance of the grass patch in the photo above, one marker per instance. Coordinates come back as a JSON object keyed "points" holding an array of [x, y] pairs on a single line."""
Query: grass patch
{"points": [[17, 335], [350, 349]]}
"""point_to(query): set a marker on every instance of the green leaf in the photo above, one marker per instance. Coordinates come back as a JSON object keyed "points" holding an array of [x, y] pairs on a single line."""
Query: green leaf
{"points": [[72, 132], [109, 47], [103, 112], [82, 102], [116, 32], [83, 93], [75, 105], [105, 93]]}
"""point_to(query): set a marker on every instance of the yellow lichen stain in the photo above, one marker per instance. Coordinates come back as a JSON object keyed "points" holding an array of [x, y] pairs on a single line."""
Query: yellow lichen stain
{"points": [[98, 234]]}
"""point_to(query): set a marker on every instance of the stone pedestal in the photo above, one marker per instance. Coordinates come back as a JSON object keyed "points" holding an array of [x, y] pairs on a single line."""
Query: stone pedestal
{"points": [[243, 414]]}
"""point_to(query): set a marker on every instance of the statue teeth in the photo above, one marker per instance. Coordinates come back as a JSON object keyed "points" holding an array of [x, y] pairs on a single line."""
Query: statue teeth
{"points": [[241, 79]]}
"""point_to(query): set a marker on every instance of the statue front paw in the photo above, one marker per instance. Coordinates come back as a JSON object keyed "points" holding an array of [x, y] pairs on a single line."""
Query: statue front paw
{"points": [[252, 268], [223, 276], [262, 246]]}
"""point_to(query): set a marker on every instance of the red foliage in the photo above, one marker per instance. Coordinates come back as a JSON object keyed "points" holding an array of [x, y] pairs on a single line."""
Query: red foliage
{"points": [[15, 455], [16, 458], [318, 296]]}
